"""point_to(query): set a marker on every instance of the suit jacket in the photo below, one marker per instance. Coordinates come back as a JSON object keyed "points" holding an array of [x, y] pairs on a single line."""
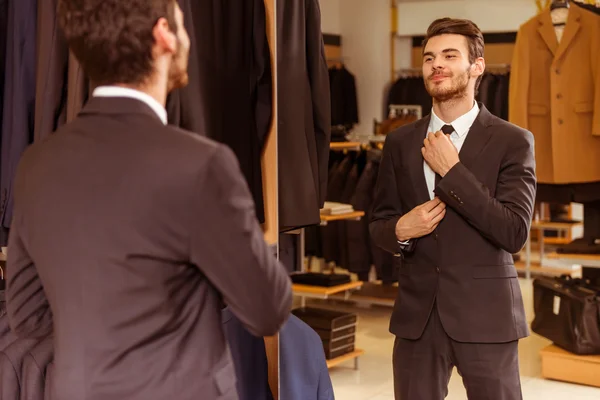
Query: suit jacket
{"points": [[466, 264], [304, 113], [302, 365], [19, 98], [555, 94], [11, 362], [231, 71], [47, 384], [34, 367], [152, 228], [51, 72], [344, 104]]}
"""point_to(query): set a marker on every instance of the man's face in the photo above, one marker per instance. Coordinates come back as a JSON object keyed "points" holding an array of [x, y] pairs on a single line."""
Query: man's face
{"points": [[446, 68], [178, 75]]}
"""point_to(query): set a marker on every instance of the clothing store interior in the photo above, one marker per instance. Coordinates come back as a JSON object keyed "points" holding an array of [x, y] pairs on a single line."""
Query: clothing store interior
{"points": [[327, 81]]}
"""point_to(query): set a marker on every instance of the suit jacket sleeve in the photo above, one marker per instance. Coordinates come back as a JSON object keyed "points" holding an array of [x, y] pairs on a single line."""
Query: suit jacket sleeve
{"points": [[320, 92], [506, 218], [28, 309], [386, 203], [227, 244], [519, 82]]}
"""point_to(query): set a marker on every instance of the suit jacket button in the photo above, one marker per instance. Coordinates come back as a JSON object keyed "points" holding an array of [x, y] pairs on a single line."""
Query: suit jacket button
{"points": [[437, 269]]}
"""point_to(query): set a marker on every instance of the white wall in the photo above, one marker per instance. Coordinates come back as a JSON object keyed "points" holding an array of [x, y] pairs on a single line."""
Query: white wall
{"points": [[366, 27], [491, 16], [330, 16]]}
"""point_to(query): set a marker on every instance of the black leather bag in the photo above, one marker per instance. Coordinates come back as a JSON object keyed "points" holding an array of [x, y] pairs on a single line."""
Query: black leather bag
{"points": [[567, 311]]}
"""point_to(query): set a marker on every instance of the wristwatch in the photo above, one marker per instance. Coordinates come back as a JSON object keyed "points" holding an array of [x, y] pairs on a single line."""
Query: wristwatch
{"points": [[406, 246]]}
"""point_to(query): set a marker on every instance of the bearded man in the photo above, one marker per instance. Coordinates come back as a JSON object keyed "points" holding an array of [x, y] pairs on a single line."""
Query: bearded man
{"points": [[128, 234], [454, 200]]}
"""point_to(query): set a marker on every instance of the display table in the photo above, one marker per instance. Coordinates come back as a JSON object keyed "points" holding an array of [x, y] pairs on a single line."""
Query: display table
{"points": [[585, 260], [346, 357], [322, 292], [560, 365], [541, 227]]}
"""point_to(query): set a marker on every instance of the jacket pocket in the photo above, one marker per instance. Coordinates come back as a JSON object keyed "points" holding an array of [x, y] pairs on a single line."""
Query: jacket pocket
{"points": [[537, 109], [585, 107], [495, 271]]}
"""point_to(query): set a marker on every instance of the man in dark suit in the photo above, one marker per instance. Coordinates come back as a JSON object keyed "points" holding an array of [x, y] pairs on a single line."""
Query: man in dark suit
{"points": [[454, 200], [128, 234]]}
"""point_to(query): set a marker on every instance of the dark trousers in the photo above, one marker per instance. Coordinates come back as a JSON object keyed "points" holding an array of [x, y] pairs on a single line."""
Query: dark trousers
{"points": [[422, 368]]}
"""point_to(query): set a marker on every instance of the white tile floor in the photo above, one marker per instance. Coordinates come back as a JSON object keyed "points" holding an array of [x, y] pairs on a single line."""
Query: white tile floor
{"points": [[373, 380]]}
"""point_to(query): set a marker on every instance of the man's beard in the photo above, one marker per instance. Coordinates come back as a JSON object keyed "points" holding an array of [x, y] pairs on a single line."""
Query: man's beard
{"points": [[178, 75], [457, 90]]}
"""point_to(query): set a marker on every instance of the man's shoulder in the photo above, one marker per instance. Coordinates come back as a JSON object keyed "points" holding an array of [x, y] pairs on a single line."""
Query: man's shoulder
{"points": [[405, 132], [510, 132]]}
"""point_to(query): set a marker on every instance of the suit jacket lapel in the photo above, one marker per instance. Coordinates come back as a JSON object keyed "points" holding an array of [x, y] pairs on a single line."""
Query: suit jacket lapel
{"points": [[571, 30], [546, 30], [415, 161], [477, 138]]}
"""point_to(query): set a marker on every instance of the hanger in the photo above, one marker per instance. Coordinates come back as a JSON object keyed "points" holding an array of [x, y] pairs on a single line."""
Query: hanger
{"points": [[559, 4]]}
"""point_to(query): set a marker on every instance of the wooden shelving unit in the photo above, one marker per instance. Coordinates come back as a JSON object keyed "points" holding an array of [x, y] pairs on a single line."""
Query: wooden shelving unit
{"points": [[586, 260], [345, 146], [560, 365], [346, 357], [323, 292], [355, 215]]}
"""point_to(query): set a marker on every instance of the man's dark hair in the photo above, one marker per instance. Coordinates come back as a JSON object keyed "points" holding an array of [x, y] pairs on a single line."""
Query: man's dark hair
{"points": [[463, 27], [112, 39]]}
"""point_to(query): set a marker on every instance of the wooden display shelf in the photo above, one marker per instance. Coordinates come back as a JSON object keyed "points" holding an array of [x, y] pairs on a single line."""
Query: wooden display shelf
{"points": [[559, 226], [346, 357], [323, 292], [556, 241], [586, 260], [345, 146], [355, 215], [536, 269], [560, 365]]}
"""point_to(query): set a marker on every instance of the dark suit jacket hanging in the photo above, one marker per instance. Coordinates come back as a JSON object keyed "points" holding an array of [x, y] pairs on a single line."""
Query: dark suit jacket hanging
{"points": [[19, 97], [344, 104], [229, 97], [304, 113]]}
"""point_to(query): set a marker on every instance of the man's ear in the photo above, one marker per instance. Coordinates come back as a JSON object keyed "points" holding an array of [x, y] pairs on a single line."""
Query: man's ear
{"points": [[478, 68], [164, 38]]}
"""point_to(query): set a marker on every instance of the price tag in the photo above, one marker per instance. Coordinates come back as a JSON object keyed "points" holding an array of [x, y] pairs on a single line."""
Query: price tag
{"points": [[556, 308]]}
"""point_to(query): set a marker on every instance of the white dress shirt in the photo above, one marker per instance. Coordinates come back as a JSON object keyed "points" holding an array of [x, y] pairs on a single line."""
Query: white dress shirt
{"points": [[118, 91], [461, 126]]}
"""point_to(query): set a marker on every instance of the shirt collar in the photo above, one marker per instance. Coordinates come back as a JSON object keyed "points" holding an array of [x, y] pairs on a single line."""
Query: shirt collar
{"points": [[461, 125], [118, 91]]}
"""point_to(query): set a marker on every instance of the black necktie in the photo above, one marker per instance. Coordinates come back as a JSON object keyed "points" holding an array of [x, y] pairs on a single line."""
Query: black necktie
{"points": [[447, 129]]}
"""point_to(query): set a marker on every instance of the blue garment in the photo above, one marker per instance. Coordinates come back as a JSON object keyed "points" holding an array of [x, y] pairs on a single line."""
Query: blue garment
{"points": [[249, 359], [303, 373]]}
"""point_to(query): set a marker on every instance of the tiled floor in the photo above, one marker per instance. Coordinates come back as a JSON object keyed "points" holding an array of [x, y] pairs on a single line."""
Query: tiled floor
{"points": [[373, 380]]}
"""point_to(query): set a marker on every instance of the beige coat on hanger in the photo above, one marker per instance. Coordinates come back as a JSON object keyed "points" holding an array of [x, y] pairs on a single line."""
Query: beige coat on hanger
{"points": [[555, 93]]}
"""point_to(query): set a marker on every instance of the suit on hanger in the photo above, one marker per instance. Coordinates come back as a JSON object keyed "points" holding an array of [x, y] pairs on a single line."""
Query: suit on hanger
{"points": [[303, 368], [152, 228], [555, 94], [230, 88], [304, 113], [462, 275], [52, 71], [19, 97]]}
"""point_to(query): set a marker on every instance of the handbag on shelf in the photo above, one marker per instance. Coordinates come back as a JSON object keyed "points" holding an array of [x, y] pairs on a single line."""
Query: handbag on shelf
{"points": [[567, 312]]}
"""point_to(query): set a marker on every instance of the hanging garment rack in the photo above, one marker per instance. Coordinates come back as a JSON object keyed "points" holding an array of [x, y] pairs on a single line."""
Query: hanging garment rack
{"points": [[417, 72]]}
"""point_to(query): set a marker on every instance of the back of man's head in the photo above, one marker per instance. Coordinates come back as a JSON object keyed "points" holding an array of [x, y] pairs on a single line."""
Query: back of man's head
{"points": [[113, 39]]}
